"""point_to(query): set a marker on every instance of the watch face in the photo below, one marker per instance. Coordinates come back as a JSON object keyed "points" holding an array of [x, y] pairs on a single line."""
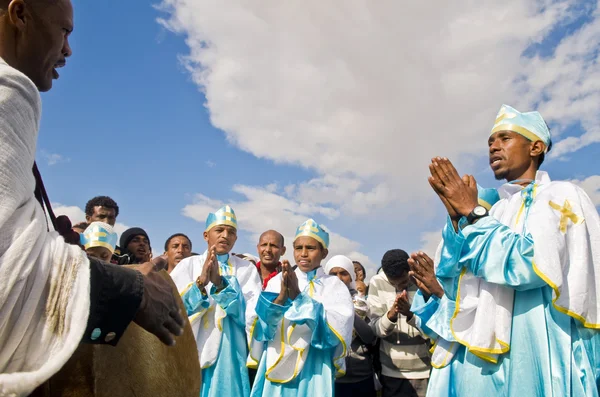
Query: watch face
{"points": [[479, 210]]}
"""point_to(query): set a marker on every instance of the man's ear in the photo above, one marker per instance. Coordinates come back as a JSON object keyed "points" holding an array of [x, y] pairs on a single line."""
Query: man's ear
{"points": [[19, 14], [205, 234], [537, 149], [283, 251], [325, 253]]}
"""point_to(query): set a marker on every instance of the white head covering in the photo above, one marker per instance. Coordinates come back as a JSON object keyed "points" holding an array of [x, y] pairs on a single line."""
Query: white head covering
{"points": [[345, 263]]}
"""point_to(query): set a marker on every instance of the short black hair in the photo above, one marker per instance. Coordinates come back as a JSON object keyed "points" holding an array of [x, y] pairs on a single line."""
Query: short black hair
{"points": [[176, 235], [395, 263], [361, 266], [101, 201]]}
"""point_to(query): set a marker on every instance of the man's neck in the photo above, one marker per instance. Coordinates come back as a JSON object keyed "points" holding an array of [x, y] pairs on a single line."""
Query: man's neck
{"points": [[525, 178], [265, 270]]}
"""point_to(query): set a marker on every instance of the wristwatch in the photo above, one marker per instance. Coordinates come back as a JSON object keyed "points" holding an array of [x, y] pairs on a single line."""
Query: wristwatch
{"points": [[477, 213]]}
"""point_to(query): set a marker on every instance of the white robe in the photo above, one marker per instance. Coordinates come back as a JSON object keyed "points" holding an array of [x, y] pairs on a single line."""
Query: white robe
{"points": [[44, 282], [210, 320], [303, 344]]}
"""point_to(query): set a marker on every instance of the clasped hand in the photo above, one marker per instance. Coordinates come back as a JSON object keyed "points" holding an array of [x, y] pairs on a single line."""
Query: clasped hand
{"points": [[289, 284], [459, 195], [210, 271]]}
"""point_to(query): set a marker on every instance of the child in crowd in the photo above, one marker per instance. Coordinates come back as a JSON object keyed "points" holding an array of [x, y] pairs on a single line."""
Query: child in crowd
{"points": [[99, 240]]}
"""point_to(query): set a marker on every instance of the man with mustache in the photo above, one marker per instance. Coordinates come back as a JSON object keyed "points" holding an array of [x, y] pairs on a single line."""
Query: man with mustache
{"points": [[526, 313], [219, 292], [177, 248], [270, 249], [135, 247]]}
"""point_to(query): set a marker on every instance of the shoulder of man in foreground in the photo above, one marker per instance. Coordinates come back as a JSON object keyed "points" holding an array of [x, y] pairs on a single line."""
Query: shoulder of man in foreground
{"points": [[14, 85]]}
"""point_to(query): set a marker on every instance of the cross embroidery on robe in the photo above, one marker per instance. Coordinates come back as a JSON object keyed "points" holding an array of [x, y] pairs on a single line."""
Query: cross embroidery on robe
{"points": [[566, 214]]}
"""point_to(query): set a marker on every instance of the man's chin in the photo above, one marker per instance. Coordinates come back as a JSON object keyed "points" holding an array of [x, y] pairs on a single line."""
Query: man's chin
{"points": [[307, 268], [499, 175]]}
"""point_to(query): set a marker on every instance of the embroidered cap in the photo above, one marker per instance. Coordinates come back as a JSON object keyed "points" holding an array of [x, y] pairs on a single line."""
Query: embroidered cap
{"points": [[310, 228], [224, 216], [99, 234], [531, 125]]}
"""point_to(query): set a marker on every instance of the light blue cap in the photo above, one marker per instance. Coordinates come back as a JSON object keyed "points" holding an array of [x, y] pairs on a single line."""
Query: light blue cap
{"points": [[310, 228], [99, 234], [224, 216], [531, 125]]}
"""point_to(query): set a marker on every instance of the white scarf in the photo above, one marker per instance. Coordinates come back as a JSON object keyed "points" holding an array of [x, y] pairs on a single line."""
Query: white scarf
{"points": [[44, 283]]}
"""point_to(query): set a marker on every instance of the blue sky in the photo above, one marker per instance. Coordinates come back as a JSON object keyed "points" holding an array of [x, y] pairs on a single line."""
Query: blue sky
{"points": [[286, 115]]}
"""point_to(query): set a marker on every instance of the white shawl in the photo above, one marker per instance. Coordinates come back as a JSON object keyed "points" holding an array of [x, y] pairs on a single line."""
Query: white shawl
{"points": [[44, 283]]}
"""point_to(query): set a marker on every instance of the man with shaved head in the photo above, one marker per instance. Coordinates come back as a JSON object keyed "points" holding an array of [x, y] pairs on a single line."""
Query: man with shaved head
{"points": [[52, 296], [270, 248]]}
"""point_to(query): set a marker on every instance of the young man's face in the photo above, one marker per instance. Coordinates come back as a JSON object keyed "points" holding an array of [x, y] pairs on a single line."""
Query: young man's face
{"points": [[101, 253], [102, 214], [510, 155], [308, 253], [140, 247], [178, 249], [223, 237]]}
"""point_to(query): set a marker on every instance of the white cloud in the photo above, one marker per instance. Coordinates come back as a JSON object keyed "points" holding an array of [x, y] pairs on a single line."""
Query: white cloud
{"points": [[365, 93], [210, 164], [263, 209], [53, 158], [430, 242], [591, 185]]}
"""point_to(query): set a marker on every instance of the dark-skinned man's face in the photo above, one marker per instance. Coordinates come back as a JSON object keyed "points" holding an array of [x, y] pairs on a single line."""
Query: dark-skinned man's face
{"points": [[178, 249], [102, 214], [510, 154], [42, 30], [223, 237], [140, 247], [270, 249]]}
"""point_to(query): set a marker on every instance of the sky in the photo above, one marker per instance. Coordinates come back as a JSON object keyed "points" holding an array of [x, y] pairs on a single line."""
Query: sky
{"points": [[309, 109]]}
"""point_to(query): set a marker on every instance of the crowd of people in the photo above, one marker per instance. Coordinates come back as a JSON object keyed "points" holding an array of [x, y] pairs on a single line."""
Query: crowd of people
{"points": [[507, 306], [379, 345]]}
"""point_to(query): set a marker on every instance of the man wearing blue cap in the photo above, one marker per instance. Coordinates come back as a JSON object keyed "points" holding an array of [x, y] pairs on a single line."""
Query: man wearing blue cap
{"points": [[526, 310], [304, 325], [219, 292]]}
